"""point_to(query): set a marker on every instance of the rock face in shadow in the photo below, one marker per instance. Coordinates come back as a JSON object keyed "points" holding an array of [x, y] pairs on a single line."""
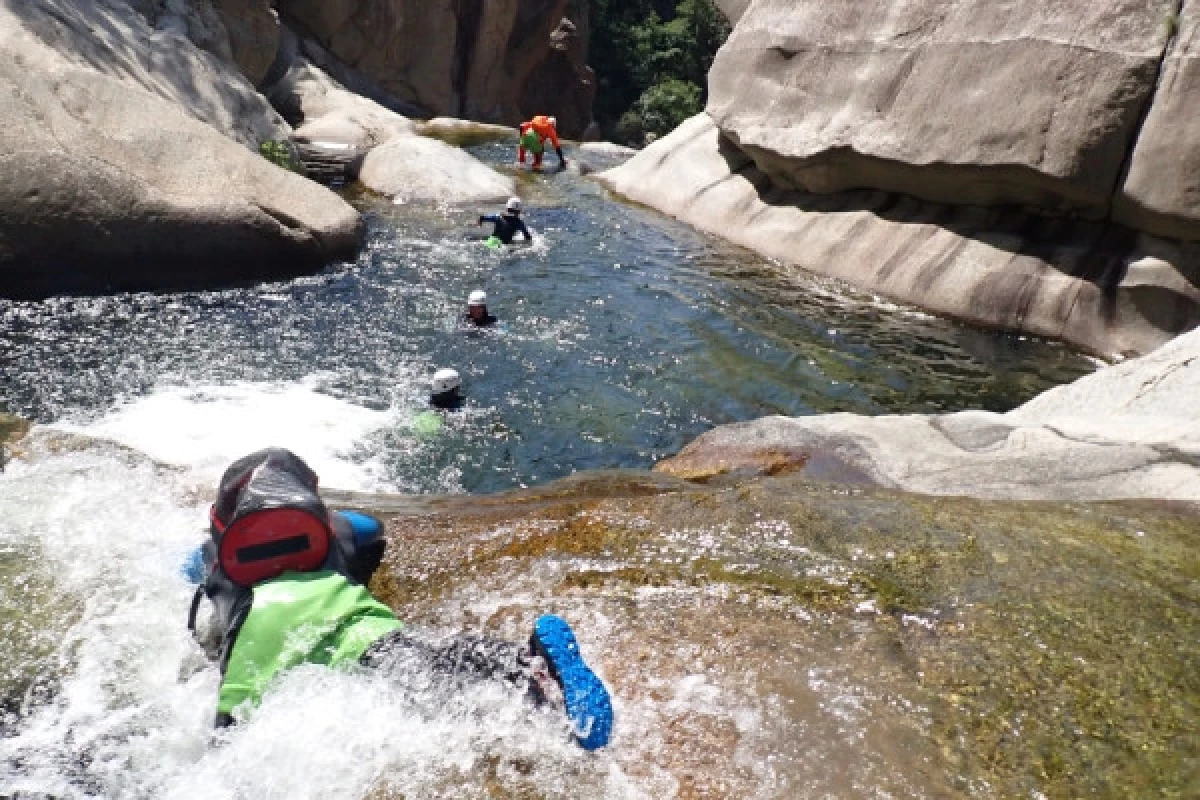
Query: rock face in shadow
{"points": [[498, 62], [1127, 431], [126, 163], [1104, 289]]}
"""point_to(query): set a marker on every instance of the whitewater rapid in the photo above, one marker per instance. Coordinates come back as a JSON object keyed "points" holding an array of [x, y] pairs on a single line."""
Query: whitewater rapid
{"points": [[112, 515]]}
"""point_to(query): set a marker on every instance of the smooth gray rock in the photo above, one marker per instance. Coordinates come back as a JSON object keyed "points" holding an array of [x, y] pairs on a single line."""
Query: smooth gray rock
{"points": [[1127, 431], [1108, 291], [107, 186], [956, 101], [420, 169], [324, 111], [1162, 191], [110, 37]]}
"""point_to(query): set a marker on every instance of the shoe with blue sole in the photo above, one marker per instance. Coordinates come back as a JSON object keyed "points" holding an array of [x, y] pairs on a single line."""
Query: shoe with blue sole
{"points": [[588, 705]]}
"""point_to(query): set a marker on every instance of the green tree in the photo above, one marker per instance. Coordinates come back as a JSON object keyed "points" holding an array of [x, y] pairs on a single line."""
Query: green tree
{"points": [[651, 56], [665, 105]]}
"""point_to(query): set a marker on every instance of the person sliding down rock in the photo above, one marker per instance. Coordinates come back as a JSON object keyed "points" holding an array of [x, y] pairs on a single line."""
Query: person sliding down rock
{"points": [[477, 310], [534, 134], [508, 224], [287, 580]]}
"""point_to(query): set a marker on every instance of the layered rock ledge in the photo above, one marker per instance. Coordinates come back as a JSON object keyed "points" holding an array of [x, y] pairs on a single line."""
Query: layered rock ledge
{"points": [[1128, 431]]}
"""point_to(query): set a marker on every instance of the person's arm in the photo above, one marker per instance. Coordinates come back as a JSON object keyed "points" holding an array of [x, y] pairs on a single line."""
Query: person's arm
{"points": [[367, 544], [525, 230], [521, 154], [562, 161]]}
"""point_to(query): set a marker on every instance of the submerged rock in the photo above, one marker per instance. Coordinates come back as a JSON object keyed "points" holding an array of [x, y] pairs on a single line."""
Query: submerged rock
{"points": [[463, 133], [1106, 290], [110, 180], [1127, 431], [841, 637]]}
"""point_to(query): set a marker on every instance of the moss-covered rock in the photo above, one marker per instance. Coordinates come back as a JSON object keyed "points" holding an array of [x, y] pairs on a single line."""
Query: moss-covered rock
{"points": [[823, 640]]}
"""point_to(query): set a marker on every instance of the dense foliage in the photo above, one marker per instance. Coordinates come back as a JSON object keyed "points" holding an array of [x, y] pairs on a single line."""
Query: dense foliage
{"points": [[651, 59]]}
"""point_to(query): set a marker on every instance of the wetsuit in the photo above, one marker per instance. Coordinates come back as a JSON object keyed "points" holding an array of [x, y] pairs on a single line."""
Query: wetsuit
{"points": [[323, 616], [508, 225], [533, 137], [483, 322]]}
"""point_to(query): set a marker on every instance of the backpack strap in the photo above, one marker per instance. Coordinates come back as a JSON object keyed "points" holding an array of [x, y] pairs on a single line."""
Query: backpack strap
{"points": [[195, 609]]}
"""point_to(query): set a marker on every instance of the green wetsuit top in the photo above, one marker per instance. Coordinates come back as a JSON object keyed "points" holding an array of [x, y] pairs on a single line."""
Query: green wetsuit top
{"points": [[297, 618]]}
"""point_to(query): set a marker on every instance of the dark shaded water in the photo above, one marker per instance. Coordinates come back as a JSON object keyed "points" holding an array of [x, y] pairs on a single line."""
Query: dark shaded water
{"points": [[623, 336]]}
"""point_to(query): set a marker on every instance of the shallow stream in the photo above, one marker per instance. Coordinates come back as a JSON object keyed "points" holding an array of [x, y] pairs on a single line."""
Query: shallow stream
{"points": [[622, 336]]}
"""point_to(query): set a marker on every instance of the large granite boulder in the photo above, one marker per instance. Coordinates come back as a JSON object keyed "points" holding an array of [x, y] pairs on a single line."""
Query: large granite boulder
{"points": [[110, 37], [1106, 290], [957, 101], [1127, 431], [324, 111], [496, 62], [420, 169], [253, 29], [1162, 190], [109, 180]]}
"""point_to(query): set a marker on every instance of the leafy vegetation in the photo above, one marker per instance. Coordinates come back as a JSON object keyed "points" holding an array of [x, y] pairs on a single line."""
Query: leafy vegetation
{"points": [[651, 59], [279, 153]]}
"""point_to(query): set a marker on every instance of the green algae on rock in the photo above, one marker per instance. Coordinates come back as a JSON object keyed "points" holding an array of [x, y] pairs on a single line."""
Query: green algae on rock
{"points": [[816, 639]]}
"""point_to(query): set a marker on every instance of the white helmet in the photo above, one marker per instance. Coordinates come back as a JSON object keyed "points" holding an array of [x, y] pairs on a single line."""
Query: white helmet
{"points": [[514, 204], [477, 298], [553, 122], [445, 380]]}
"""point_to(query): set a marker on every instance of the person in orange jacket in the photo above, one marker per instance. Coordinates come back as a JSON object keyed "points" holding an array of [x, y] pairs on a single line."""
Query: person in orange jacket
{"points": [[533, 137]]}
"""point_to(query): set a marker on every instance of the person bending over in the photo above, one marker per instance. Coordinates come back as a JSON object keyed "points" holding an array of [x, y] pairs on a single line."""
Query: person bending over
{"points": [[534, 134], [508, 224], [287, 580]]}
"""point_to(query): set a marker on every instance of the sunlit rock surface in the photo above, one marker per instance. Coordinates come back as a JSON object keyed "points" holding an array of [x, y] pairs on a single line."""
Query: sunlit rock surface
{"points": [[409, 168], [1130, 430], [957, 101], [1162, 190], [778, 638], [325, 111], [129, 160]]}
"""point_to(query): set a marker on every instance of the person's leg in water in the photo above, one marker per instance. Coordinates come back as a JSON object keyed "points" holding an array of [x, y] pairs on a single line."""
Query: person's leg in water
{"points": [[549, 670]]}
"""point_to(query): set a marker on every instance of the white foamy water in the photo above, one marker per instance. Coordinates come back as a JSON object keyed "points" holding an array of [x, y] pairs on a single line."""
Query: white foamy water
{"points": [[132, 708], [204, 428]]}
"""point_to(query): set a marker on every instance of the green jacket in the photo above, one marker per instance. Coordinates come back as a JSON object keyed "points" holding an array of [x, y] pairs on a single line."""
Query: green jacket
{"points": [[309, 617]]}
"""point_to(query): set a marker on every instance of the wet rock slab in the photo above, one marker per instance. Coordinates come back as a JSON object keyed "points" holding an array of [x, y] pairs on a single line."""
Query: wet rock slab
{"points": [[778, 637]]}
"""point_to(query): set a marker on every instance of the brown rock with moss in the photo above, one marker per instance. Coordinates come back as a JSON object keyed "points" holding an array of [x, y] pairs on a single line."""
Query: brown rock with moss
{"points": [[840, 635]]}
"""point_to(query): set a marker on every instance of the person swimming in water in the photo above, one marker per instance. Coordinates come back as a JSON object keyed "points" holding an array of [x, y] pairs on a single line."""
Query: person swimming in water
{"points": [[477, 310], [508, 224]]}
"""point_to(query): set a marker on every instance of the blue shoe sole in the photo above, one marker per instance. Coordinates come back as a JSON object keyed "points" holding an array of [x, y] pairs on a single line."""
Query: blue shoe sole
{"points": [[587, 702]]}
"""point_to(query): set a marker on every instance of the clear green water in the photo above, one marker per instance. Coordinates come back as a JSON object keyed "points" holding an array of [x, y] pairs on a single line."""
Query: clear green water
{"points": [[623, 336]]}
